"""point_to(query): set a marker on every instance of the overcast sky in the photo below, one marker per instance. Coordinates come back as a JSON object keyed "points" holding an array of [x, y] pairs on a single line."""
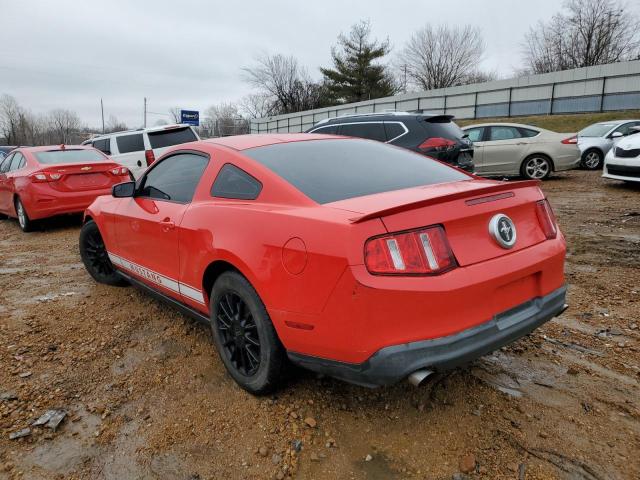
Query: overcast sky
{"points": [[189, 54]]}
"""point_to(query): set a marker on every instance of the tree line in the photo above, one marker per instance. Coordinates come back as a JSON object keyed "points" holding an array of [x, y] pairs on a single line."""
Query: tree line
{"points": [[583, 33]]}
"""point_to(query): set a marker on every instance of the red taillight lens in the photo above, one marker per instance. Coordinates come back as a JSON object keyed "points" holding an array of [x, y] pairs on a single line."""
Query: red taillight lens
{"points": [[149, 157], [120, 171], [437, 143], [547, 219], [42, 177], [418, 252], [570, 141]]}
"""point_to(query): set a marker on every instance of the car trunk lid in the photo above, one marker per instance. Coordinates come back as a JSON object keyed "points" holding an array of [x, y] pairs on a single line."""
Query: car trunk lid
{"points": [[465, 210], [83, 176]]}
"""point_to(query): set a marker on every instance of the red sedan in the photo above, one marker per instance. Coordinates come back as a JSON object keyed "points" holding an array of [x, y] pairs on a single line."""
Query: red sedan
{"points": [[352, 258], [40, 182]]}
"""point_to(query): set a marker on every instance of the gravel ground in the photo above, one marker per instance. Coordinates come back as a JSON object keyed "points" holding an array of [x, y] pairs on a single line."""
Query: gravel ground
{"points": [[147, 397]]}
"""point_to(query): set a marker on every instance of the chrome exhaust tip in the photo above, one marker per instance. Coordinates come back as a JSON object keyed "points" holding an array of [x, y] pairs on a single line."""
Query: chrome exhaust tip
{"points": [[419, 376]]}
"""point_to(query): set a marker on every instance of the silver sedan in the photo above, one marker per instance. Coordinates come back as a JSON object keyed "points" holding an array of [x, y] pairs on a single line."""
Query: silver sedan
{"points": [[596, 140], [512, 149]]}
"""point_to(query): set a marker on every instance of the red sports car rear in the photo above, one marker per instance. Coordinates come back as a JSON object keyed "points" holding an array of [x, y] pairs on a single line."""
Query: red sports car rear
{"points": [[349, 257], [40, 182]]}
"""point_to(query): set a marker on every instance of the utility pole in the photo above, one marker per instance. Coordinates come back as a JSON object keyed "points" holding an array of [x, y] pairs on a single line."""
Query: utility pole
{"points": [[145, 112], [102, 111]]}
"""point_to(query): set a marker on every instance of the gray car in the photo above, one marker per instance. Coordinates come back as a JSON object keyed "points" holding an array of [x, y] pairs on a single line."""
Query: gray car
{"points": [[596, 140]]}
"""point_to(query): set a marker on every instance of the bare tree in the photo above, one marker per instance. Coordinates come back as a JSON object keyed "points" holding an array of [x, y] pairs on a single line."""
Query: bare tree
{"points": [[442, 56], [224, 119], [10, 119], [256, 105], [64, 123], [174, 113], [586, 33], [285, 83], [114, 125]]}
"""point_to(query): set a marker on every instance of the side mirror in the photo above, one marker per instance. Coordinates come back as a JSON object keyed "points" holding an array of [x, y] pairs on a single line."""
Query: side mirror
{"points": [[123, 190], [616, 135]]}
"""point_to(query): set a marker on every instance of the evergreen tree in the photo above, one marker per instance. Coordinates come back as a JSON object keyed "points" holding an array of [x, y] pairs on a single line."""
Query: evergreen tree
{"points": [[356, 76]]}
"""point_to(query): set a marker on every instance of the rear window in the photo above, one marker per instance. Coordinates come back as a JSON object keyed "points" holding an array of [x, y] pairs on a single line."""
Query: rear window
{"points": [[442, 127], [167, 138], [68, 156], [130, 143], [332, 170]]}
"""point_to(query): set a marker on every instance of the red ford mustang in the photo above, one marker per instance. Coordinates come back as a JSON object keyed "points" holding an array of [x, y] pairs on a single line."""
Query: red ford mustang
{"points": [[349, 257], [39, 182]]}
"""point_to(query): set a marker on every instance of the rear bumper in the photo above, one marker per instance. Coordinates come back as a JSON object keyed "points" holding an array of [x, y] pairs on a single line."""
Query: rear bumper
{"points": [[567, 162], [394, 363], [43, 203]]}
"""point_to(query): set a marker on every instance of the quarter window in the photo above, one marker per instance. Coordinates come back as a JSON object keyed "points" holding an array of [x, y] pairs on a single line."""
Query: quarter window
{"points": [[175, 178], [393, 130], [475, 134], [527, 132], [130, 143], [504, 133], [232, 182], [372, 131]]}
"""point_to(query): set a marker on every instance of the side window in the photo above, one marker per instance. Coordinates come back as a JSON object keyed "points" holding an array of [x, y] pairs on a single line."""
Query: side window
{"points": [[393, 130], [233, 182], [527, 132], [504, 133], [475, 134], [328, 130], [130, 143], [627, 128], [175, 178], [15, 163], [104, 145], [372, 131], [4, 166]]}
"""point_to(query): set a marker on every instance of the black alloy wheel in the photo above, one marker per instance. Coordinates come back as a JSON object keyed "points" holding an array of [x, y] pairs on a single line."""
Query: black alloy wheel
{"points": [[95, 257]]}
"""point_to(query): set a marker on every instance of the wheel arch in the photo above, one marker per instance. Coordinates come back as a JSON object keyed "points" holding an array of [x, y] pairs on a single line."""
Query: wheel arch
{"points": [[213, 271]]}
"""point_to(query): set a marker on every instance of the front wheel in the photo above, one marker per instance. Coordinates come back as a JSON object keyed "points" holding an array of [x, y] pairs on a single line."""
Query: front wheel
{"points": [[26, 224], [244, 335], [592, 159], [536, 167], [95, 257]]}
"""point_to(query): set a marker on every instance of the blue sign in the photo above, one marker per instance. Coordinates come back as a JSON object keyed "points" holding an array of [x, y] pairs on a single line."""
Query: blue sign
{"points": [[190, 117]]}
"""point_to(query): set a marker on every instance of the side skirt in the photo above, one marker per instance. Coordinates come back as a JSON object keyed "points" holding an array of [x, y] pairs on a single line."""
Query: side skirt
{"points": [[181, 307]]}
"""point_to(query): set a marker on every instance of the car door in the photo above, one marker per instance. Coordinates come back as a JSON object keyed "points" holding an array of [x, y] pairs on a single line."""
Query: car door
{"points": [[504, 150], [147, 225], [131, 152], [5, 187], [476, 135]]}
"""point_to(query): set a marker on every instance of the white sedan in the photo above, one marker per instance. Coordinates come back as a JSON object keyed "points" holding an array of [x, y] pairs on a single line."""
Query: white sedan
{"points": [[622, 162], [512, 149]]}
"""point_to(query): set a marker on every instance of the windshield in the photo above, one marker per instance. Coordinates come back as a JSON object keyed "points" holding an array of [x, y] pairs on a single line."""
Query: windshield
{"points": [[69, 156], [596, 130], [332, 170]]}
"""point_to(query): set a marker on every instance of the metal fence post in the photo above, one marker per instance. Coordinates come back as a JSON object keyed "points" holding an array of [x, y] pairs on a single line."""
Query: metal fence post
{"points": [[553, 94], [475, 104], [509, 103], [604, 84]]}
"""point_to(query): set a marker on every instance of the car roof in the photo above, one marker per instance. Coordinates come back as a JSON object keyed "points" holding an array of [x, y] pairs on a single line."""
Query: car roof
{"points": [[52, 148], [378, 116], [139, 130], [244, 142], [501, 124]]}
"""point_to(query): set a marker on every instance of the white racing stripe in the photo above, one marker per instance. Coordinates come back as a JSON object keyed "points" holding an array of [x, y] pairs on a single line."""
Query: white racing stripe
{"points": [[157, 278]]}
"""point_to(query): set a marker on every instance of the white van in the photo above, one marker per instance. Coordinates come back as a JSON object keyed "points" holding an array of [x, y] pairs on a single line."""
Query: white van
{"points": [[137, 149]]}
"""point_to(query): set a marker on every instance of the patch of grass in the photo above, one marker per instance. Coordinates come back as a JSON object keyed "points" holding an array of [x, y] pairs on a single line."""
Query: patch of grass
{"points": [[560, 123]]}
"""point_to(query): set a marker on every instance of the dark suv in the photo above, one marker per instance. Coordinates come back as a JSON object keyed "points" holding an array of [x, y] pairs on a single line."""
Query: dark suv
{"points": [[434, 135]]}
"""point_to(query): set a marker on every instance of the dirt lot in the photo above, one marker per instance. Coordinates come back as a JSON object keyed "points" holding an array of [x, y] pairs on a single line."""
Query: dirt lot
{"points": [[148, 398]]}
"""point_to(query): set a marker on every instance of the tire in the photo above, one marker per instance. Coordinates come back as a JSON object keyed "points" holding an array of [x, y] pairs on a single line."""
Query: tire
{"points": [[25, 223], [95, 258], [244, 336], [592, 159], [536, 167]]}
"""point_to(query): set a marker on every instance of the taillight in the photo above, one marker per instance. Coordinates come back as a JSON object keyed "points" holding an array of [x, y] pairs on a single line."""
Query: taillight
{"points": [[120, 171], [570, 141], [149, 157], [547, 219], [437, 143], [41, 177], [418, 252]]}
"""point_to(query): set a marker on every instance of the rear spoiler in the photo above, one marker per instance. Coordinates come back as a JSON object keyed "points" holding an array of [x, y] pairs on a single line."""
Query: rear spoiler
{"points": [[439, 118], [475, 195]]}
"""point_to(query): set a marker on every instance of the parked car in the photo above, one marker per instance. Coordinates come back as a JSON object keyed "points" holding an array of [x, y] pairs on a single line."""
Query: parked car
{"points": [[434, 135], [512, 149], [349, 257], [40, 182], [137, 149], [596, 140], [623, 161]]}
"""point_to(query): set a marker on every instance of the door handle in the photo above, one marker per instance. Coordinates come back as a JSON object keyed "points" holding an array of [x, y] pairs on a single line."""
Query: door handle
{"points": [[167, 224]]}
